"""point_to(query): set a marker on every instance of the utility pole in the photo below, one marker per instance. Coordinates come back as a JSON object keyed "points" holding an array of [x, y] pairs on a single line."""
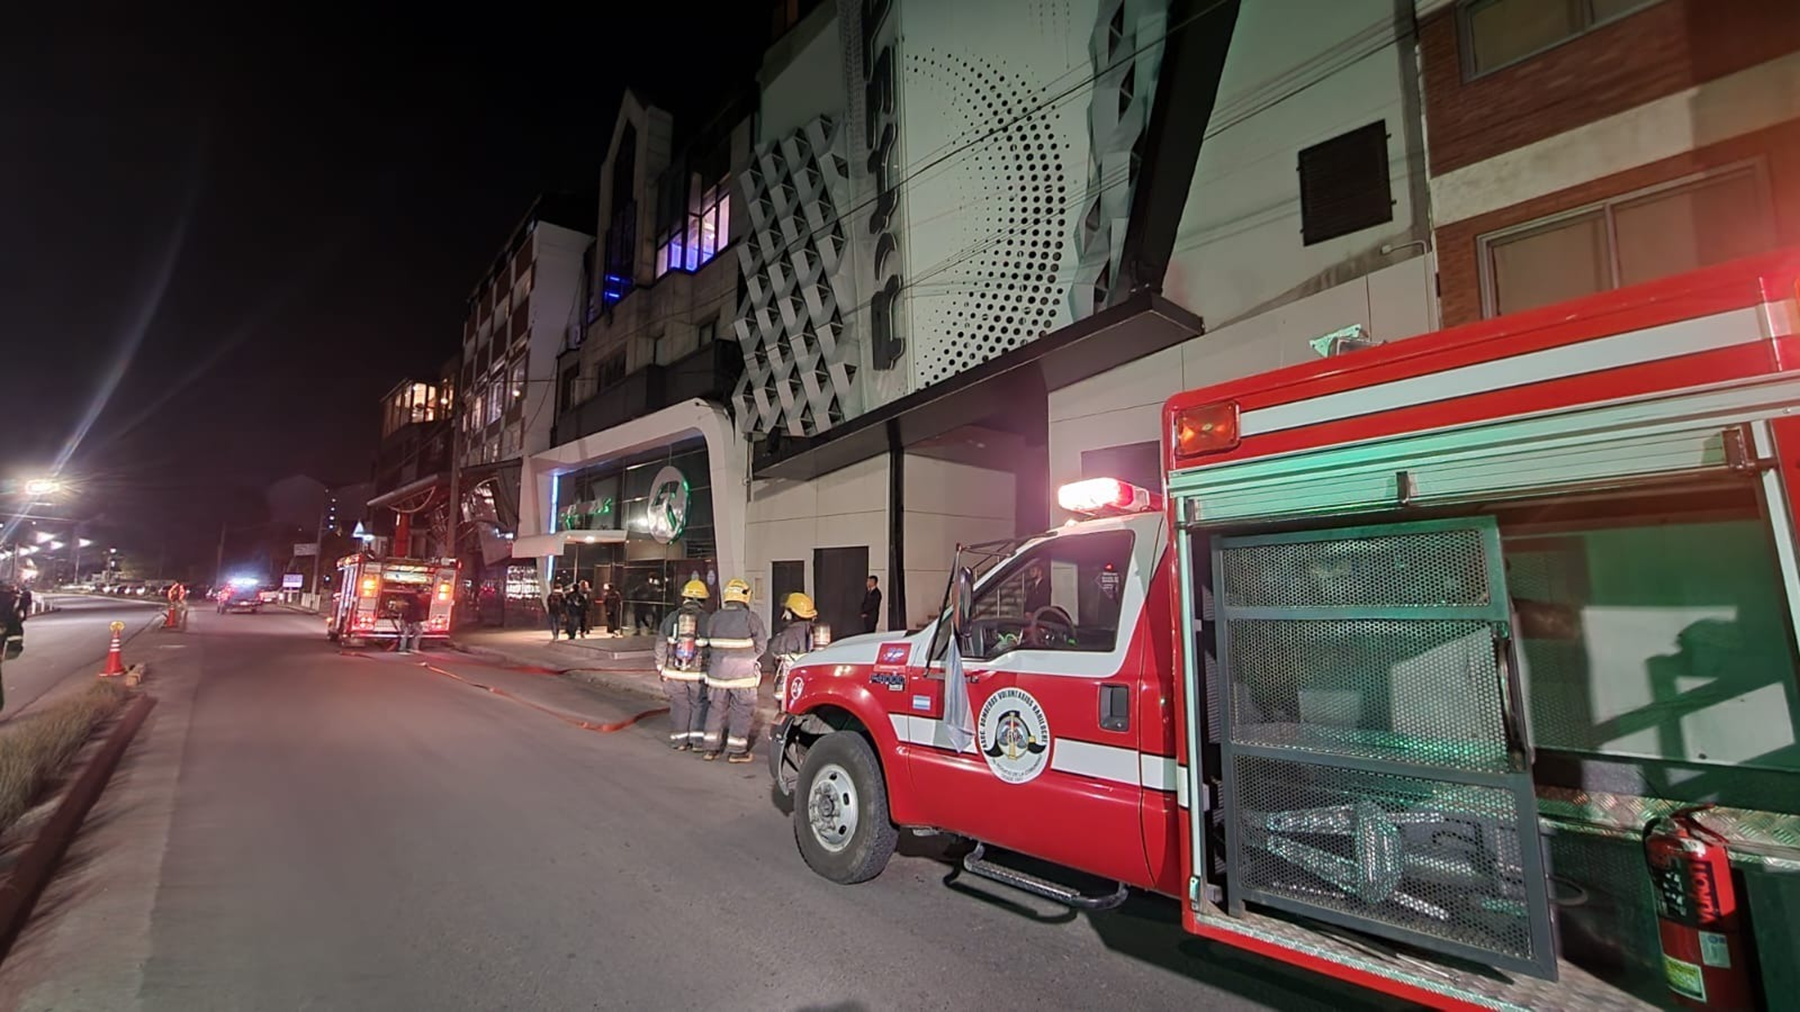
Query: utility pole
{"points": [[455, 416], [219, 566], [319, 545]]}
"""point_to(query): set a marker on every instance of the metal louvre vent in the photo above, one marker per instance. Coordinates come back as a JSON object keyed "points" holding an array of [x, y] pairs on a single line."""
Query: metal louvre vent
{"points": [[1421, 691], [1446, 568], [1344, 184], [1424, 856]]}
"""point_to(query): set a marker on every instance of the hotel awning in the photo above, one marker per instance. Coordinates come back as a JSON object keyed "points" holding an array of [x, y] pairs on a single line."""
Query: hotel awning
{"points": [[539, 546]]}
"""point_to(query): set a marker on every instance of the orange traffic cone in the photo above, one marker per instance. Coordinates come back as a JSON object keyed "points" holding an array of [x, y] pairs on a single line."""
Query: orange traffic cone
{"points": [[115, 663], [171, 620]]}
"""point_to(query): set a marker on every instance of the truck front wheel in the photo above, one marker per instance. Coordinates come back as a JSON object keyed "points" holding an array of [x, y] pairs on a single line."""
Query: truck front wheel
{"points": [[841, 810]]}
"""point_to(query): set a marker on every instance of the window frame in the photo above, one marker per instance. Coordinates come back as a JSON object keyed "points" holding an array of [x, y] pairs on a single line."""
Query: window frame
{"points": [[1588, 22], [1485, 243], [1044, 551]]}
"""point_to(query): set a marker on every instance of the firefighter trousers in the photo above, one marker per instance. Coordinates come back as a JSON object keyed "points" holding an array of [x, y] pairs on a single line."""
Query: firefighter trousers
{"points": [[728, 714], [687, 710]]}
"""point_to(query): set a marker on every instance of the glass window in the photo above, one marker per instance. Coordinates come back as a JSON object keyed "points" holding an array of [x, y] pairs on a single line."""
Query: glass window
{"points": [[699, 233], [1561, 261], [1635, 237], [1499, 32], [708, 332], [1655, 627], [1062, 595]]}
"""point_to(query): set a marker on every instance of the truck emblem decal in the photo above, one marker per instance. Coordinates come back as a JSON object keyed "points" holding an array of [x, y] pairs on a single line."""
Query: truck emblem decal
{"points": [[667, 514], [1014, 735]]}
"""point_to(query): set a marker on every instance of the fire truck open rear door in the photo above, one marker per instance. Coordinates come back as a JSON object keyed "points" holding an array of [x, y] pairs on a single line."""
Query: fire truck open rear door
{"points": [[1375, 767]]}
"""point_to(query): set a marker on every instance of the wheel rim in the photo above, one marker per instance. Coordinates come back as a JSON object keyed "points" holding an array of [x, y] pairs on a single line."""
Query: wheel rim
{"points": [[831, 808]]}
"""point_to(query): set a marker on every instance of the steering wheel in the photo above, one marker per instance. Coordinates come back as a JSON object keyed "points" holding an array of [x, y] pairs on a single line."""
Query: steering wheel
{"points": [[1039, 630]]}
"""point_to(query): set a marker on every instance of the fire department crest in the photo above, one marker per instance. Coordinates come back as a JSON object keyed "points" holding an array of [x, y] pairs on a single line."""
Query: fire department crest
{"points": [[1014, 735]]}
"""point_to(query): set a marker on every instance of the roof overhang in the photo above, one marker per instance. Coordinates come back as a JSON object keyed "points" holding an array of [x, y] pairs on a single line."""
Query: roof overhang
{"points": [[538, 546], [1142, 324]]}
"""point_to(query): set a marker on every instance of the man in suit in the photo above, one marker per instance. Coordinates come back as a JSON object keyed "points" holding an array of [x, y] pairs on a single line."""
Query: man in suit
{"points": [[871, 606]]}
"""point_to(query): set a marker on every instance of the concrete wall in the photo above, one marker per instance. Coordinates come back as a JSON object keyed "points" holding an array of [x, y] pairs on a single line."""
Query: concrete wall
{"points": [[947, 503], [1123, 405], [802, 76], [1290, 83], [786, 520], [555, 288]]}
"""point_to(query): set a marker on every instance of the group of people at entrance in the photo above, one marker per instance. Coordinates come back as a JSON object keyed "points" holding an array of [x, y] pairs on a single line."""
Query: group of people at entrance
{"points": [[570, 609], [711, 666]]}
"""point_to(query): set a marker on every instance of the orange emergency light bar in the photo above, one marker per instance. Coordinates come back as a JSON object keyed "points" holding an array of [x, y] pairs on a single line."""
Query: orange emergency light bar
{"points": [[1205, 428], [1098, 496]]}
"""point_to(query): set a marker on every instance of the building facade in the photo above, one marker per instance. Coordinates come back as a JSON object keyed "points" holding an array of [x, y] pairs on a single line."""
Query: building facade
{"points": [[976, 246], [642, 438], [1596, 144], [517, 323]]}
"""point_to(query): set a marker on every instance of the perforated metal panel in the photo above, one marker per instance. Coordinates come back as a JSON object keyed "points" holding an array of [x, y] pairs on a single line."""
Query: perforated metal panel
{"points": [[1422, 569], [1420, 690], [1375, 770]]}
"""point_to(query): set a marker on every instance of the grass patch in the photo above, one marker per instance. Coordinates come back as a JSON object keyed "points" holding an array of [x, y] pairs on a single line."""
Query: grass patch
{"points": [[33, 748]]}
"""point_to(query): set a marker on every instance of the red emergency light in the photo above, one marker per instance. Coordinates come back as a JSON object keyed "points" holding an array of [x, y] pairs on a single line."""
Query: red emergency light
{"points": [[1099, 496]]}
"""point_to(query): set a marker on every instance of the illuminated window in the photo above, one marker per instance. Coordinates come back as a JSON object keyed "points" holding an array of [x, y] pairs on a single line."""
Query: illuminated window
{"points": [[1639, 236], [696, 236]]}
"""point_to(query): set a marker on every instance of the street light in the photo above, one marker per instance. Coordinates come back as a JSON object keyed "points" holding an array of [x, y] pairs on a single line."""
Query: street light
{"points": [[43, 486]]}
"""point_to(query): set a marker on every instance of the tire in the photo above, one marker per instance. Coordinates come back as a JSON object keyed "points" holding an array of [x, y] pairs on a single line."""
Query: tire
{"points": [[867, 835]]}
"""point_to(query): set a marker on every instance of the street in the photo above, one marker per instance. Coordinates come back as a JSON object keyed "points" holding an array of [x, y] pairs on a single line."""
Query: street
{"points": [[65, 648], [302, 828]]}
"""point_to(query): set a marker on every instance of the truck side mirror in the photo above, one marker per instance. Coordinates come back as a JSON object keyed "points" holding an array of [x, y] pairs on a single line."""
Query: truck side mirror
{"points": [[965, 593]]}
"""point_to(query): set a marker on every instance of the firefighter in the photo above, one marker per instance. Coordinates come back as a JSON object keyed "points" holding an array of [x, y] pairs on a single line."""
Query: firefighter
{"points": [[681, 661], [794, 639], [736, 640]]}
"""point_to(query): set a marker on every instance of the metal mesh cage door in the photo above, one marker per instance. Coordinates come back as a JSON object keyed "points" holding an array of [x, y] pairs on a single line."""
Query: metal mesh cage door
{"points": [[1375, 769]]}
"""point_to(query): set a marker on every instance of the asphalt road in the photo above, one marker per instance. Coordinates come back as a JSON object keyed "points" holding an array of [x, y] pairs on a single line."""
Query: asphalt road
{"points": [[65, 648], [298, 828]]}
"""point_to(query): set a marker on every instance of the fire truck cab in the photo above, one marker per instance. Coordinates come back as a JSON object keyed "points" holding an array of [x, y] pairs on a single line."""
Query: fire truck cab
{"points": [[372, 594], [1402, 674]]}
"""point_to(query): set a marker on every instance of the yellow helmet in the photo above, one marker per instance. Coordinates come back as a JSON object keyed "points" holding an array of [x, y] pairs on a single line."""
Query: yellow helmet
{"points": [[737, 590], [695, 589], [801, 605]]}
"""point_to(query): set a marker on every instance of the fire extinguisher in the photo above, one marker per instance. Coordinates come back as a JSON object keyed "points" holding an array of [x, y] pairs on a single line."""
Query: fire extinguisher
{"points": [[1704, 950]]}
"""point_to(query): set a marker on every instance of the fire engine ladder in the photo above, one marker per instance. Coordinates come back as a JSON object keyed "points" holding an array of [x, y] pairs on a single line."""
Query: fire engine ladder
{"points": [[1376, 774]]}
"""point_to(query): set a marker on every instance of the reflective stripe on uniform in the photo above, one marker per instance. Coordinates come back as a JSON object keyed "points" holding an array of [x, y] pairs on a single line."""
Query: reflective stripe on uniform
{"points": [[681, 676], [733, 683], [733, 644], [738, 742], [699, 641]]}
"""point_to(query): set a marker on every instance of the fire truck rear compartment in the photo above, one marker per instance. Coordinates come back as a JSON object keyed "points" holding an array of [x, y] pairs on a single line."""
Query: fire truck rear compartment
{"points": [[1370, 731]]}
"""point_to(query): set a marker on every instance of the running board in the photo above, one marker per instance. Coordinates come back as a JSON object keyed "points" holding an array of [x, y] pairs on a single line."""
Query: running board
{"points": [[976, 863]]}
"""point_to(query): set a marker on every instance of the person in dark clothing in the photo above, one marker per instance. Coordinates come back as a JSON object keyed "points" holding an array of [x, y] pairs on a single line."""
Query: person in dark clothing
{"points": [[1037, 589], [554, 607], [413, 609], [575, 610], [612, 603], [871, 606], [587, 608]]}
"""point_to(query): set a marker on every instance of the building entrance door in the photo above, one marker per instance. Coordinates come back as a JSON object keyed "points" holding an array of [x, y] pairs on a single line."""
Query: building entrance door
{"points": [[840, 578]]}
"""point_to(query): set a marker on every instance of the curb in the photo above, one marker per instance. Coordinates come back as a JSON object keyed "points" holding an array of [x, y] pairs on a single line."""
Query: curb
{"points": [[37, 864]]}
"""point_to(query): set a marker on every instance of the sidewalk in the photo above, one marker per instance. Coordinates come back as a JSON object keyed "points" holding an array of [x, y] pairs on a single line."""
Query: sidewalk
{"points": [[625, 663]]}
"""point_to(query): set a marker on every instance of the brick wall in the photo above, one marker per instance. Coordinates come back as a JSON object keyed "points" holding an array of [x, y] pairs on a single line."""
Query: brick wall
{"points": [[1459, 281], [1663, 49]]}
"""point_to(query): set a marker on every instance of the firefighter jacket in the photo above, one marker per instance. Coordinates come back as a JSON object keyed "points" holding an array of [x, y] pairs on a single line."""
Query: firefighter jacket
{"points": [[682, 646], [794, 639], [736, 640]]}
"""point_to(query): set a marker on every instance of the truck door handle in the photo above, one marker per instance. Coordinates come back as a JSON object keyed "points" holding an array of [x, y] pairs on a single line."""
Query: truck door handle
{"points": [[1115, 707]]}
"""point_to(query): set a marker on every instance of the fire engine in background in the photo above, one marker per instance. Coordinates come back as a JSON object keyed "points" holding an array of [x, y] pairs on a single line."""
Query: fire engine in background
{"points": [[1415, 679], [372, 593]]}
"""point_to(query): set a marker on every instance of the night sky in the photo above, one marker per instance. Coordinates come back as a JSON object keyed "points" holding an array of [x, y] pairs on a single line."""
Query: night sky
{"points": [[249, 230]]}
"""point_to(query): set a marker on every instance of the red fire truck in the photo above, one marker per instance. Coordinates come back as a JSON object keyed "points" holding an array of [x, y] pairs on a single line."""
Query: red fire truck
{"points": [[1462, 668], [372, 593]]}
